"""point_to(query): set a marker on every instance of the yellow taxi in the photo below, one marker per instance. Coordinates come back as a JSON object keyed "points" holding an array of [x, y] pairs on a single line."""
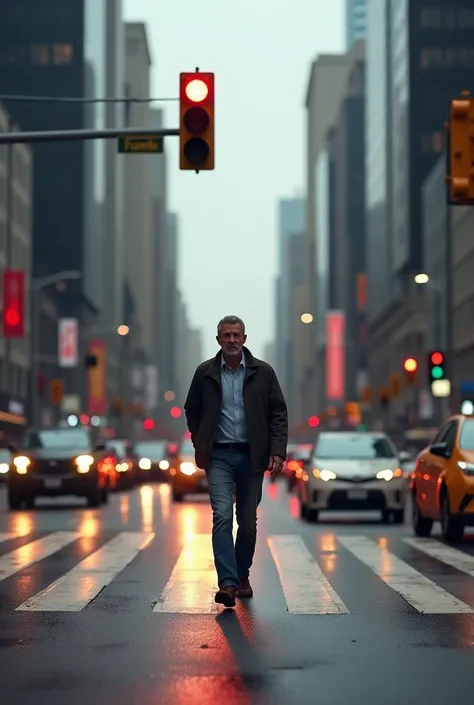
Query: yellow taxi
{"points": [[442, 483], [185, 477]]}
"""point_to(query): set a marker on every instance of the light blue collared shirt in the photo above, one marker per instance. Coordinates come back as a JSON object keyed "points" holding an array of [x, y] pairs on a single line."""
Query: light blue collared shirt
{"points": [[232, 426]]}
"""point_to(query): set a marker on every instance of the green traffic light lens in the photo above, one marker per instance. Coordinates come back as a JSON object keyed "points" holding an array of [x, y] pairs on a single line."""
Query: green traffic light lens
{"points": [[437, 372], [196, 150]]}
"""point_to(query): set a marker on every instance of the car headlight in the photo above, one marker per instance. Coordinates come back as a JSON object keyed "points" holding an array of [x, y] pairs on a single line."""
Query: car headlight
{"points": [[388, 475], [4, 468], [467, 468], [121, 467], [144, 464], [84, 463], [187, 468], [21, 463], [324, 475], [164, 465]]}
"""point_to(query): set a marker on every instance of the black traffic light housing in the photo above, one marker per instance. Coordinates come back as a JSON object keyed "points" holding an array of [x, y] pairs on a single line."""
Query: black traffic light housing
{"points": [[196, 121], [436, 366]]}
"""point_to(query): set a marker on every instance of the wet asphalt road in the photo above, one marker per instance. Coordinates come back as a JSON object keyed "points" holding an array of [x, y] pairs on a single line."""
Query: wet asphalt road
{"points": [[115, 646]]}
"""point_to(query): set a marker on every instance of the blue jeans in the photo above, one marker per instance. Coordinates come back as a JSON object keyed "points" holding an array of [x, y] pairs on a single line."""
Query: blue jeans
{"points": [[226, 468]]}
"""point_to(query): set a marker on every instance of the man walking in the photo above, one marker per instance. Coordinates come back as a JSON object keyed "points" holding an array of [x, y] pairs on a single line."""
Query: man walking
{"points": [[238, 421]]}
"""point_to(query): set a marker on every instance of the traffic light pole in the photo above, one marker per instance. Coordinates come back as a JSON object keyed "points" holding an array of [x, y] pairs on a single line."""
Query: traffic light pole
{"points": [[78, 135]]}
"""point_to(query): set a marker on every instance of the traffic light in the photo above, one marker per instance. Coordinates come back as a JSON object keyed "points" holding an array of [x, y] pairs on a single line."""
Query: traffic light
{"points": [[56, 391], [148, 424], [436, 366], [175, 412], [196, 121], [461, 151], [313, 421], [410, 366], [13, 315]]}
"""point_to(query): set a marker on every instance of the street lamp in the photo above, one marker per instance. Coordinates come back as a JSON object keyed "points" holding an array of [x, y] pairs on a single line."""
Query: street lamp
{"points": [[307, 318], [421, 278], [37, 285]]}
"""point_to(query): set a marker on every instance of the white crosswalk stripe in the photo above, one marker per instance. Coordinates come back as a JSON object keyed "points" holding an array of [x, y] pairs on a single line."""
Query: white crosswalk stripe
{"points": [[305, 581], [30, 553], [419, 591], [306, 589], [74, 590]]}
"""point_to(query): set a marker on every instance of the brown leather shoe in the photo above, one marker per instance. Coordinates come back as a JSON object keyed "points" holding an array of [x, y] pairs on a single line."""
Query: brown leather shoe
{"points": [[226, 596], [245, 589]]}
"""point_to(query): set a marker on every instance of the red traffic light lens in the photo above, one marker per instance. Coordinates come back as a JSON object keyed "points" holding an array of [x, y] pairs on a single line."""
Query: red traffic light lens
{"points": [[197, 90], [175, 412], [313, 421], [148, 424], [437, 358], [410, 364], [196, 120], [12, 317]]}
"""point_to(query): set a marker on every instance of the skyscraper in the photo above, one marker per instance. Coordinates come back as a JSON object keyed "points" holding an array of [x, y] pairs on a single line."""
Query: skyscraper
{"points": [[356, 21]]}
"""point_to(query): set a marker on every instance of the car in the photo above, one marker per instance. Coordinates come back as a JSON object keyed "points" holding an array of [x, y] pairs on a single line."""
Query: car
{"points": [[125, 460], [185, 477], [298, 455], [442, 484], [55, 462], [153, 460], [353, 471]]}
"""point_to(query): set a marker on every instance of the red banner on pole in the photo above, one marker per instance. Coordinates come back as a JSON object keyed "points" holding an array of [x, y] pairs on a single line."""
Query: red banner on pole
{"points": [[97, 388], [14, 295], [335, 355]]}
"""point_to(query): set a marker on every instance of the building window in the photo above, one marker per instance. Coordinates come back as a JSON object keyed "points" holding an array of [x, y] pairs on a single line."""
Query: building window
{"points": [[40, 54], [62, 54]]}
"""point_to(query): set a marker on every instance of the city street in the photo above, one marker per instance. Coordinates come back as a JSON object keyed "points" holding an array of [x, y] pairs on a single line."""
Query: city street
{"points": [[375, 618]]}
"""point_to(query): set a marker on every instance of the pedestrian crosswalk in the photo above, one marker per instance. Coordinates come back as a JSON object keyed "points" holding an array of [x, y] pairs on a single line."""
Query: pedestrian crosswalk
{"points": [[302, 573]]}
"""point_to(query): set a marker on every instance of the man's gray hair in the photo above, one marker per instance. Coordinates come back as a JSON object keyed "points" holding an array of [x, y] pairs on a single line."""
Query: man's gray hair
{"points": [[232, 321]]}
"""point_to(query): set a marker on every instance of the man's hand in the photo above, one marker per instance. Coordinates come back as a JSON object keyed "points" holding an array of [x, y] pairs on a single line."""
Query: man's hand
{"points": [[275, 466]]}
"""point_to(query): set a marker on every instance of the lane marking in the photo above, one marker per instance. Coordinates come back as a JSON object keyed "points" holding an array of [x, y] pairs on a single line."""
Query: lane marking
{"points": [[74, 590], [445, 554], [34, 552], [306, 588], [419, 591], [193, 581], [9, 537]]}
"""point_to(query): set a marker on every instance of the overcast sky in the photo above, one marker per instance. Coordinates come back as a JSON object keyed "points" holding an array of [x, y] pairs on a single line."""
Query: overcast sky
{"points": [[261, 55]]}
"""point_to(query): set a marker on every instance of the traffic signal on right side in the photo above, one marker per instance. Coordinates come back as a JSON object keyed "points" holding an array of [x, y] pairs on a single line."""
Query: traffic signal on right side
{"points": [[436, 366], [196, 121], [461, 151]]}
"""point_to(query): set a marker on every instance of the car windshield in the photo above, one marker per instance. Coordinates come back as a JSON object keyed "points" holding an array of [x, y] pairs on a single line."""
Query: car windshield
{"points": [[466, 437], [117, 446], [187, 448], [347, 446], [154, 450], [76, 439]]}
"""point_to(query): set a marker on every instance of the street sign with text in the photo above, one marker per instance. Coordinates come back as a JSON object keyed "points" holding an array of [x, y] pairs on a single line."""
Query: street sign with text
{"points": [[131, 144]]}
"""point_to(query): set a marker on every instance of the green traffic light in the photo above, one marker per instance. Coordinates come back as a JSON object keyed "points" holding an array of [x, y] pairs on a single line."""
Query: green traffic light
{"points": [[437, 372]]}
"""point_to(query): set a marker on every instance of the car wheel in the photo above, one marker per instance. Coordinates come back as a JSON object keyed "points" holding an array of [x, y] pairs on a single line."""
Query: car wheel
{"points": [[452, 530], [177, 497], [14, 500], [94, 499], [398, 516], [421, 525]]}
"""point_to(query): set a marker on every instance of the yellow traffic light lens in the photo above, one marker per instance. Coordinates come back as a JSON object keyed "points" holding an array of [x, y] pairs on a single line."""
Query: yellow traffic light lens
{"points": [[410, 365], [196, 120], [196, 150], [197, 90]]}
